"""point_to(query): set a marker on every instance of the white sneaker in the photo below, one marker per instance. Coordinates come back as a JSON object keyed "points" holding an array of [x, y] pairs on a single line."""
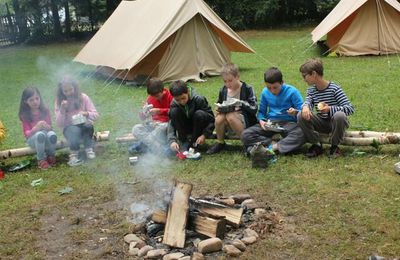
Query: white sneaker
{"points": [[397, 167], [74, 160], [90, 153]]}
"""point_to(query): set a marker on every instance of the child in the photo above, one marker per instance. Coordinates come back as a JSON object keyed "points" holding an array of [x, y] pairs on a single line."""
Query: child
{"points": [[191, 119], [279, 104], [153, 132], [36, 124], [245, 111], [332, 105], [75, 114]]}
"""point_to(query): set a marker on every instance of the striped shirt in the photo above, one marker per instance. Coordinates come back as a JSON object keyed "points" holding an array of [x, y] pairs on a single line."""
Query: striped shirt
{"points": [[332, 95]]}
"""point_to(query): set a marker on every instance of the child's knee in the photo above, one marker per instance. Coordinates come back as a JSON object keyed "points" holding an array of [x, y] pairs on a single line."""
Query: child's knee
{"points": [[41, 137], [52, 137], [340, 116]]}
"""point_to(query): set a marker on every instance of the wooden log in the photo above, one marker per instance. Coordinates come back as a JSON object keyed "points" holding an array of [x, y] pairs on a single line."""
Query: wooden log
{"points": [[233, 216], [206, 225], [27, 150], [363, 141], [125, 138], [178, 210], [102, 136], [370, 134]]}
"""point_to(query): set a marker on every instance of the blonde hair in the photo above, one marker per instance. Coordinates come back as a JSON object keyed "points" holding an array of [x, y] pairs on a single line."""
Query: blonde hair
{"points": [[231, 69]]}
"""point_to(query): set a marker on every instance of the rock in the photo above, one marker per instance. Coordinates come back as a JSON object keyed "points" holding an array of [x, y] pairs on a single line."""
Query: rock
{"points": [[185, 258], [143, 251], [249, 240], [173, 256], [140, 244], [197, 256], [239, 244], [133, 251], [239, 198], [131, 238], [156, 253], [231, 250], [210, 245], [260, 211], [248, 232]]}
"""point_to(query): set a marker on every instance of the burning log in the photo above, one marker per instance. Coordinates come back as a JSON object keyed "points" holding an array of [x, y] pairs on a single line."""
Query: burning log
{"points": [[178, 210], [17, 152]]}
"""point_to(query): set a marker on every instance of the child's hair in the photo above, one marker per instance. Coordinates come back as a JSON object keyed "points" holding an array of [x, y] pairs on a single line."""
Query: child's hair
{"points": [[25, 110], [273, 75], [231, 69], [178, 88], [154, 86], [312, 65], [68, 80]]}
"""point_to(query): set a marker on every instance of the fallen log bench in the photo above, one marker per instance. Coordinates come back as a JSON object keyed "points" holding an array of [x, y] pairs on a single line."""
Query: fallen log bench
{"points": [[352, 138], [98, 136]]}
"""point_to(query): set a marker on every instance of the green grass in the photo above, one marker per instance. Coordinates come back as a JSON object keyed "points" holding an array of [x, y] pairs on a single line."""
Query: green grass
{"points": [[342, 209]]}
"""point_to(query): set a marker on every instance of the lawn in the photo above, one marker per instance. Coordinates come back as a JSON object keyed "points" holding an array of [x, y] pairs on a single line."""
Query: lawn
{"points": [[346, 208]]}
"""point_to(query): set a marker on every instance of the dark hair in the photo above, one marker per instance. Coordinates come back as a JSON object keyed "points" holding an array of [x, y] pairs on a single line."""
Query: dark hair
{"points": [[154, 86], [178, 88], [25, 110], [312, 65], [68, 80], [273, 75]]}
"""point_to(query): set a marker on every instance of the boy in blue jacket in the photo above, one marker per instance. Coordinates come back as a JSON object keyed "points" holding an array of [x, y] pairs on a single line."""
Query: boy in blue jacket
{"points": [[279, 104]]}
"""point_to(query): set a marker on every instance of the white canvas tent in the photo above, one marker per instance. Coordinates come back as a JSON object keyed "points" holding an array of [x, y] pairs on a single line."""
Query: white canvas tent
{"points": [[362, 27], [168, 39]]}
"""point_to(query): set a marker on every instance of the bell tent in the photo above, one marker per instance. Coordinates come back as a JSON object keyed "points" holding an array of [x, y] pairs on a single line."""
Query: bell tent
{"points": [[361, 27], [168, 39]]}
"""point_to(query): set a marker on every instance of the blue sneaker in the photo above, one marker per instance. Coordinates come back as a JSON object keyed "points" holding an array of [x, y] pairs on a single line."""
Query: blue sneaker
{"points": [[137, 147]]}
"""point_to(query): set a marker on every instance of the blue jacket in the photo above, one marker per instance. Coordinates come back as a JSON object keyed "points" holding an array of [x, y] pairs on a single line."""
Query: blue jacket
{"points": [[274, 107]]}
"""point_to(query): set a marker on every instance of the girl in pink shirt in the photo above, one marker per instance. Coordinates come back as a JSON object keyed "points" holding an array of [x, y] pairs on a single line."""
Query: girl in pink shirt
{"points": [[75, 114], [36, 124]]}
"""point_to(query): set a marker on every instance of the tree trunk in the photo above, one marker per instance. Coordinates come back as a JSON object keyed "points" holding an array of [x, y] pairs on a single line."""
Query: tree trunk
{"points": [[67, 19], [56, 19], [20, 17], [90, 14]]}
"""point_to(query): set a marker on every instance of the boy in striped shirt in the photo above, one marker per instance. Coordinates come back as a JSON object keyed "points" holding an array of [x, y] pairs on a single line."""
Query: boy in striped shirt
{"points": [[332, 107]]}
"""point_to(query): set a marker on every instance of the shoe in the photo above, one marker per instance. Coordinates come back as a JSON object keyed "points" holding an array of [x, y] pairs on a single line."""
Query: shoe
{"points": [[314, 151], [216, 148], [51, 160], [335, 152], [137, 147], [397, 167], [43, 165], [90, 153], [74, 160]]}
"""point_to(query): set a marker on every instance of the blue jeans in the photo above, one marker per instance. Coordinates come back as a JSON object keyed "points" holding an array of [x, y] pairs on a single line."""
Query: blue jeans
{"points": [[44, 143], [75, 134]]}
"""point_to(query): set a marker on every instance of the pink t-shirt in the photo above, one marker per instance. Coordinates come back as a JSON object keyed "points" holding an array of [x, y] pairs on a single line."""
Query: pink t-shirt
{"points": [[27, 126], [64, 120]]}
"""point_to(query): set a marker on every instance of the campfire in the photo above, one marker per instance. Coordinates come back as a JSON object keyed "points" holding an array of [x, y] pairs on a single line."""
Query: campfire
{"points": [[192, 227]]}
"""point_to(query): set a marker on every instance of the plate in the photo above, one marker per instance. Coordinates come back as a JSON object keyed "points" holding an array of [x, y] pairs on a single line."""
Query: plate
{"points": [[21, 165]]}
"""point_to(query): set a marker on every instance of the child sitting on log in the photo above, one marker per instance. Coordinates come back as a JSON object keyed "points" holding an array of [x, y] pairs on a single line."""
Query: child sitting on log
{"points": [[152, 133], [75, 114], [36, 124], [191, 119]]}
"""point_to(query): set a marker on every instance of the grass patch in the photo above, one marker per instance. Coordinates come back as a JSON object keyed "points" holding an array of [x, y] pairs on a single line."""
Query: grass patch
{"points": [[347, 208]]}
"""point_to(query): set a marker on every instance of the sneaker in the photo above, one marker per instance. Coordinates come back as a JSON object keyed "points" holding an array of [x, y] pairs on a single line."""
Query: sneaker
{"points": [[314, 151], [74, 160], [51, 160], [397, 167], [335, 152], [43, 165], [90, 153], [137, 147], [216, 148]]}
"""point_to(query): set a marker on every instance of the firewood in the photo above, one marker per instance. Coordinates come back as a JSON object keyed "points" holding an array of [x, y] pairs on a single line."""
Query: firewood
{"points": [[207, 226], [233, 216], [239, 198], [178, 210], [201, 223], [125, 138]]}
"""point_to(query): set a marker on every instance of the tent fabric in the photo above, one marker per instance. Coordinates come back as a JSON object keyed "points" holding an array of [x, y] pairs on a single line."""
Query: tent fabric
{"points": [[362, 27], [170, 39]]}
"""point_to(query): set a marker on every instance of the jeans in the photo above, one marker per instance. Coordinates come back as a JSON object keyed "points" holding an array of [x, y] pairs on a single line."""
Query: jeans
{"points": [[77, 133], [44, 142]]}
